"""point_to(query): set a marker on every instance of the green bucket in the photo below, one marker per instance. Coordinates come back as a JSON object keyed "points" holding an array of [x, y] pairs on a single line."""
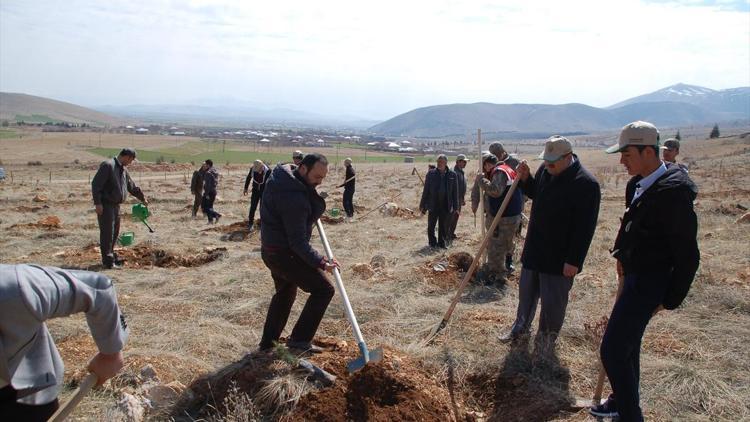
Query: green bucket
{"points": [[335, 212], [126, 239], [140, 212]]}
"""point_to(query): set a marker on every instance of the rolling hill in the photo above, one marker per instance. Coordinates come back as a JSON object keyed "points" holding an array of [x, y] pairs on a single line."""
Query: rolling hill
{"points": [[678, 105], [32, 109]]}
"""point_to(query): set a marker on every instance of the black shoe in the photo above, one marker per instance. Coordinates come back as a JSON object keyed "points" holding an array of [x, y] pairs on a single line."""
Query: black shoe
{"points": [[112, 266], [509, 263], [608, 409], [216, 220], [304, 346], [511, 337]]}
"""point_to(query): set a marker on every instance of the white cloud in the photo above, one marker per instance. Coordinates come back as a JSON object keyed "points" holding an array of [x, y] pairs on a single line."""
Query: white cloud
{"points": [[377, 59]]}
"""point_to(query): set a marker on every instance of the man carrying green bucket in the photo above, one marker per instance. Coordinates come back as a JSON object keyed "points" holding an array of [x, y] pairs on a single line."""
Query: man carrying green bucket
{"points": [[109, 189]]}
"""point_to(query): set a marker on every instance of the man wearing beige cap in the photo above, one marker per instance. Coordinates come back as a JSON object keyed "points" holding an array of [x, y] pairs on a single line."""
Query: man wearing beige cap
{"points": [[657, 254], [561, 225], [440, 198], [669, 152], [258, 176], [349, 184], [461, 180]]}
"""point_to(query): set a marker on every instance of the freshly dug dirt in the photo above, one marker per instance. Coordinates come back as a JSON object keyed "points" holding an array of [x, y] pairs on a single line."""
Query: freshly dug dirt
{"points": [[396, 388], [51, 222], [145, 256]]}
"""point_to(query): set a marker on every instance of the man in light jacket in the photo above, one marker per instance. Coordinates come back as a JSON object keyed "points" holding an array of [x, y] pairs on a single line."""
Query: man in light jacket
{"points": [[31, 369]]}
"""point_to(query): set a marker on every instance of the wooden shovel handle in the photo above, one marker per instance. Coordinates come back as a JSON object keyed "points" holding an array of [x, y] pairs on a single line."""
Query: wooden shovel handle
{"points": [[83, 389], [602, 374]]}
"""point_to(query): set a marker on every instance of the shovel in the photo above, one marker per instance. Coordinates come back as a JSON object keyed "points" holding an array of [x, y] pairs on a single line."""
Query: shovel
{"points": [[374, 355], [83, 389], [477, 259], [141, 213]]}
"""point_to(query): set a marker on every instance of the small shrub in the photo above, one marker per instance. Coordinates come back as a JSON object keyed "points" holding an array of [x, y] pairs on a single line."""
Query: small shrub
{"points": [[76, 161], [172, 161], [160, 159], [34, 163]]}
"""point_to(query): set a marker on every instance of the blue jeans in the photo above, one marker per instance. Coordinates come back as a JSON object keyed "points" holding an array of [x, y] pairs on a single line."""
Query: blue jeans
{"points": [[621, 344]]}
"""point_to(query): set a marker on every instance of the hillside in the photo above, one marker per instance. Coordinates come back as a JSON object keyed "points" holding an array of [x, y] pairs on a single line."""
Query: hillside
{"points": [[31, 109], [679, 105]]}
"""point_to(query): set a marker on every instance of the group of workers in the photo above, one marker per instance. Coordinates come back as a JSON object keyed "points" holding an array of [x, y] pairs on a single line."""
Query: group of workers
{"points": [[656, 253]]}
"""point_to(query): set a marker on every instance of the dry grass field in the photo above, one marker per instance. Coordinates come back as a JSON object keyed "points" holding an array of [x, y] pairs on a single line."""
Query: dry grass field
{"points": [[196, 295]]}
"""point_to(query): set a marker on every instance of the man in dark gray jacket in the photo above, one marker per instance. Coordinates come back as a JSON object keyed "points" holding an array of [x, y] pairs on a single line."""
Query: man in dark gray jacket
{"points": [[210, 190], [109, 189], [289, 209], [461, 180], [31, 370], [196, 188], [440, 198]]}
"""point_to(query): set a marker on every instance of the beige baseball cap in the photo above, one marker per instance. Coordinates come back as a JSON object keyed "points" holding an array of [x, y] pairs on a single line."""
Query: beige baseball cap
{"points": [[555, 147], [461, 157], [347, 161], [257, 165], [636, 133]]}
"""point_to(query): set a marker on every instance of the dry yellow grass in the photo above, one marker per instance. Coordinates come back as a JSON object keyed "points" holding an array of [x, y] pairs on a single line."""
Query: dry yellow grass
{"points": [[193, 320]]}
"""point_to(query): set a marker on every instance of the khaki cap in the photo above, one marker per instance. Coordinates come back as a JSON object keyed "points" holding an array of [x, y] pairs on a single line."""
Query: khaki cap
{"points": [[347, 161], [555, 147], [442, 157], [461, 157], [258, 165], [636, 133], [297, 154]]}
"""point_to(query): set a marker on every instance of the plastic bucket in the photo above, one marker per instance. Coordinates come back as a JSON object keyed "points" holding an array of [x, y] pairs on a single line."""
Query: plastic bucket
{"points": [[126, 239], [335, 212]]}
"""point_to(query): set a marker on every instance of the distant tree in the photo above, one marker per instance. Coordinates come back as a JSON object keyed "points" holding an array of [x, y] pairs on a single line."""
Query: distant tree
{"points": [[677, 136], [715, 131], [6, 123]]}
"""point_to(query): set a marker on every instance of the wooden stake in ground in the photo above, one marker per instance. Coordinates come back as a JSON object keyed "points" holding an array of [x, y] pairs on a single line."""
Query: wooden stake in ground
{"points": [[415, 171], [481, 169], [83, 389], [474, 264]]}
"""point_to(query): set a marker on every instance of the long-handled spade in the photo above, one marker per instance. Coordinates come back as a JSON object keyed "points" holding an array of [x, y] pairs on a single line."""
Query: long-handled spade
{"points": [[374, 355], [415, 171], [83, 389], [477, 259]]}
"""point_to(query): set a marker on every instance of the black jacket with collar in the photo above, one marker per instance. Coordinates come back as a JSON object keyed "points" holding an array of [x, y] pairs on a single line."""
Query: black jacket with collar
{"points": [[250, 178], [111, 184], [563, 218], [429, 200], [288, 211], [658, 233]]}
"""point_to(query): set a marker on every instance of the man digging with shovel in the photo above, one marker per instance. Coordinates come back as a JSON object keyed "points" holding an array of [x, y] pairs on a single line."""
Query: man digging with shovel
{"points": [[288, 212], [109, 188]]}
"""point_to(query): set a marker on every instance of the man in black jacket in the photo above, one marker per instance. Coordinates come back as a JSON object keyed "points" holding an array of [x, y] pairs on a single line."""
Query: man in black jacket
{"points": [[196, 188], [210, 190], [109, 188], [440, 198], [289, 209], [657, 253], [461, 180], [258, 176], [563, 218], [348, 185]]}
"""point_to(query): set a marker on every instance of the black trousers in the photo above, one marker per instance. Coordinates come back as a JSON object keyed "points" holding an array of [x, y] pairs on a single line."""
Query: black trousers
{"points": [[11, 410], [452, 226], [197, 203], [349, 202], [208, 206], [289, 273], [442, 219], [621, 344], [109, 230], [254, 201]]}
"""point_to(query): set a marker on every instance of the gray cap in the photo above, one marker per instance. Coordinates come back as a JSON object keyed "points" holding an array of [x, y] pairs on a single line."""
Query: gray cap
{"points": [[636, 133], [497, 149], [555, 148], [298, 154], [671, 143], [461, 157], [442, 157]]}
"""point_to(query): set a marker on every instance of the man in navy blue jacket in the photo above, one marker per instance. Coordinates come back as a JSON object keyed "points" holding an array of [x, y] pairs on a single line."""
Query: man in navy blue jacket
{"points": [[563, 218], [289, 209], [440, 198], [657, 254]]}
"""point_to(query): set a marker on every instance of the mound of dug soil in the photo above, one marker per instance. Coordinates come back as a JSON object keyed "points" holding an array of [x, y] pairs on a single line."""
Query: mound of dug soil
{"points": [[51, 222], [146, 256], [394, 389]]}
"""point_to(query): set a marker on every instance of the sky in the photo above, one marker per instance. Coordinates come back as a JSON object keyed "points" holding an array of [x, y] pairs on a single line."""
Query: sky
{"points": [[372, 59]]}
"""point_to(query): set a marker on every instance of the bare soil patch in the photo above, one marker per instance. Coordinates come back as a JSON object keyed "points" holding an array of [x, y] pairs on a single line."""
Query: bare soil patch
{"points": [[141, 256]]}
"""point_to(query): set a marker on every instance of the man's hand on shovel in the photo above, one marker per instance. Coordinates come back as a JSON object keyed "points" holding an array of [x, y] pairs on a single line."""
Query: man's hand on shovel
{"points": [[105, 366]]}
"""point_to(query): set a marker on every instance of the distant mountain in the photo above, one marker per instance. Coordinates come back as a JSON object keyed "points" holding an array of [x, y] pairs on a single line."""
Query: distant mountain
{"points": [[31, 109], [678, 105]]}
